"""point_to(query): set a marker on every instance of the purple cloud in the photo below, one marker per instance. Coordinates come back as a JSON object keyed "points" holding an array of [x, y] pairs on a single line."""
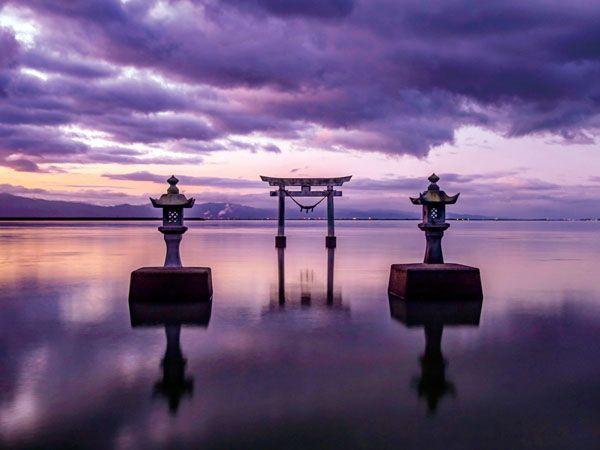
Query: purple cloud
{"points": [[188, 180], [390, 76], [322, 9], [22, 165], [8, 58], [40, 60]]}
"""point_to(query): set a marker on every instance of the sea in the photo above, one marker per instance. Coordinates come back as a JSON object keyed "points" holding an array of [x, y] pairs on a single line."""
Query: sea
{"points": [[300, 348]]}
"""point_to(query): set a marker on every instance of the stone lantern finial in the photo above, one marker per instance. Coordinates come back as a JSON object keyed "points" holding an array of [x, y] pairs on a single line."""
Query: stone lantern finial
{"points": [[433, 179], [173, 189]]}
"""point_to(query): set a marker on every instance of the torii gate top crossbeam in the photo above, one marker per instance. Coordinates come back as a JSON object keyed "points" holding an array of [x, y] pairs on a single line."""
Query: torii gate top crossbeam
{"points": [[273, 181]]}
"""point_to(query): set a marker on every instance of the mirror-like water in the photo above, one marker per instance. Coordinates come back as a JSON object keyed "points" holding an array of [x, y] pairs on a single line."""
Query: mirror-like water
{"points": [[302, 349]]}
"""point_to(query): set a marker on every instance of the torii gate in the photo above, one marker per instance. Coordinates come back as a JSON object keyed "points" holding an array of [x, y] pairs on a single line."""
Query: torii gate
{"points": [[305, 186]]}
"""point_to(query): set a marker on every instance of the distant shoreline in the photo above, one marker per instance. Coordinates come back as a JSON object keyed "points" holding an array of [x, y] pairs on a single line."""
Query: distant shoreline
{"points": [[200, 219]]}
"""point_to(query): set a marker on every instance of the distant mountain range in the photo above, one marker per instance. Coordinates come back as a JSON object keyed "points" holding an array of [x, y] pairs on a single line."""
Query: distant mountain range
{"points": [[13, 206]]}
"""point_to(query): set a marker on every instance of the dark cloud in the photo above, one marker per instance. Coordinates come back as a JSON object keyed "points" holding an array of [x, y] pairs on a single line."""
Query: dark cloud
{"points": [[272, 148], [229, 144], [415, 184], [9, 49], [323, 9], [63, 64], [147, 129], [18, 189], [37, 141], [8, 58], [87, 99], [484, 185], [188, 180], [22, 165], [128, 156], [390, 76]]}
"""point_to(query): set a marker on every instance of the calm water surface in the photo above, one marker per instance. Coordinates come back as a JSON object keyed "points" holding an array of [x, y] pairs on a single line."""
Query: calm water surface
{"points": [[303, 349]]}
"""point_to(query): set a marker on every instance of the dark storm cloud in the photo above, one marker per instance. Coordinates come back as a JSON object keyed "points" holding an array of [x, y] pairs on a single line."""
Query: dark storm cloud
{"points": [[8, 58], [323, 9], [37, 141], [8, 49], [390, 76], [78, 97], [24, 147], [141, 128]]}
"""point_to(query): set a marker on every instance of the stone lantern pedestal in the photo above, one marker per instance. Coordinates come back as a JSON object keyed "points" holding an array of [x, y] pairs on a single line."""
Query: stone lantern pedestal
{"points": [[180, 284], [172, 281], [433, 279]]}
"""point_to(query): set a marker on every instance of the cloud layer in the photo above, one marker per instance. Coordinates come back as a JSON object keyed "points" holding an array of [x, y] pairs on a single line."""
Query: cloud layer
{"points": [[190, 77]]}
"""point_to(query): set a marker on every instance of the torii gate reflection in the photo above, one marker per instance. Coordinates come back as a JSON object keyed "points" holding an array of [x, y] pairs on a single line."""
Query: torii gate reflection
{"points": [[305, 186], [309, 294]]}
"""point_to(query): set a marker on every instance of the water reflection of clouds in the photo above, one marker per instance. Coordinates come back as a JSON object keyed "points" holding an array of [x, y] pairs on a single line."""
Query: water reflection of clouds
{"points": [[82, 375], [87, 304], [24, 411], [238, 387]]}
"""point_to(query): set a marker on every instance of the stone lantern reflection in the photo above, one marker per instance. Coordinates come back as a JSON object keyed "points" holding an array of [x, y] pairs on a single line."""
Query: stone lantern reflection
{"points": [[172, 204], [174, 383], [434, 223], [432, 384]]}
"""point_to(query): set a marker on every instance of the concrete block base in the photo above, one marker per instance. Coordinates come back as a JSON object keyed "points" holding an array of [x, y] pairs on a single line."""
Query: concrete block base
{"points": [[330, 241], [280, 242], [170, 285], [435, 282], [415, 313], [152, 314]]}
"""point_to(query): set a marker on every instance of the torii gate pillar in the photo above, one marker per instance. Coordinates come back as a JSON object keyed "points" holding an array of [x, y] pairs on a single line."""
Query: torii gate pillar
{"points": [[280, 241], [330, 239]]}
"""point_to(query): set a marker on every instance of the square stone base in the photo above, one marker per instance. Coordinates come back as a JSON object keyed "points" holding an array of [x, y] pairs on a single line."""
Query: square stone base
{"points": [[435, 282], [153, 314], [170, 285], [415, 313], [330, 241], [280, 242]]}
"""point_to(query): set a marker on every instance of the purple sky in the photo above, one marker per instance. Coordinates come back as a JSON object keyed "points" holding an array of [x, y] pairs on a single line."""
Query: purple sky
{"points": [[101, 100]]}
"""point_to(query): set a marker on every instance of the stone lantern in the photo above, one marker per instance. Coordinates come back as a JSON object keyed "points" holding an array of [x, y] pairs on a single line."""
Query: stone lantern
{"points": [[434, 223], [171, 283], [433, 279], [172, 204]]}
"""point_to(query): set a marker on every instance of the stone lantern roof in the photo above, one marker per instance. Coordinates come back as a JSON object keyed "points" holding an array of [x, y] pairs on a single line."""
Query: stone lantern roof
{"points": [[434, 195], [172, 197]]}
